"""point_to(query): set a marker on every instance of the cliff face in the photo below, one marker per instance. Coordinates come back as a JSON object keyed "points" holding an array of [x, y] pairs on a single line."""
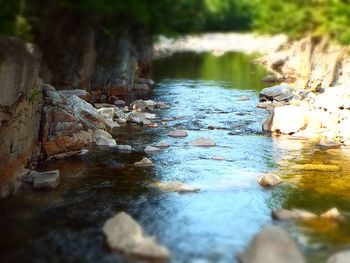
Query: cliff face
{"points": [[20, 108]]}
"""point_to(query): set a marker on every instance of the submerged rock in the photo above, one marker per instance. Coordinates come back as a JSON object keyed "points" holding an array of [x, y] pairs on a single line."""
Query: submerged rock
{"points": [[178, 133], [163, 106], [269, 180], [244, 98], [329, 143], [340, 257], [272, 245], [144, 162], [203, 142], [151, 149], [218, 158], [46, 180], [124, 234], [163, 144], [176, 187], [283, 214]]}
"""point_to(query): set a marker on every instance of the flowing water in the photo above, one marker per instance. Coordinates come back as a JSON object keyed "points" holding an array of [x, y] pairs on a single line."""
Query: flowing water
{"points": [[213, 225]]}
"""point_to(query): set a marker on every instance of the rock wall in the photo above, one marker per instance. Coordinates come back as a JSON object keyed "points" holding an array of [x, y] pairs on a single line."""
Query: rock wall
{"points": [[20, 109]]}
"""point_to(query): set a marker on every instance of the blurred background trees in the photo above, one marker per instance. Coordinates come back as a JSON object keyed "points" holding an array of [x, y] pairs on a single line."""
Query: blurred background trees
{"points": [[294, 17]]}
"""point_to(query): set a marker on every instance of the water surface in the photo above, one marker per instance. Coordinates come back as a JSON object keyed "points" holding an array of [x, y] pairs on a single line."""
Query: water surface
{"points": [[214, 225]]}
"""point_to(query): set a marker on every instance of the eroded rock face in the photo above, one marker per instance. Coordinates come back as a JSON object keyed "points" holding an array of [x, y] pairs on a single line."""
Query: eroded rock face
{"points": [[272, 245], [124, 234]]}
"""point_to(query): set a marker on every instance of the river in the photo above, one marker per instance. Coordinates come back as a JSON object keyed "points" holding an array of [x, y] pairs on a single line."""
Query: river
{"points": [[213, 225]]}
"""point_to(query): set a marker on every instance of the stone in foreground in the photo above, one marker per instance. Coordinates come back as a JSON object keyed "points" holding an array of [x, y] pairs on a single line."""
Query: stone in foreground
{"points": [[144, 162], [151, 149], [203, 142], [269, 180], [340, 257], [46, 180], [163, 144], [283, 214], [124, 234], [178, 133], [272, 245]]}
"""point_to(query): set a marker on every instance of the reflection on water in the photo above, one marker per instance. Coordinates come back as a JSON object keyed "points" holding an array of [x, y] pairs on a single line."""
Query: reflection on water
{"points": [[64, 225]]}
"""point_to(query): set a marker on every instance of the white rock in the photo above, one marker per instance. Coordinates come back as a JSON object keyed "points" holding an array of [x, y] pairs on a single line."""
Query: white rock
{"points": [[269, 180], [202, 142], [151, 149], [283, 214], [124, 234], [333, 214], [272, 245], [103, 141], [144, 162], [178, 133], [107, 113], [163, 144]]}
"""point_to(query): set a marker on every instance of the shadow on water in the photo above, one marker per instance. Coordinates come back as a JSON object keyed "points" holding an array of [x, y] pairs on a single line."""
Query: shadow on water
{"points": [[214, 225]]}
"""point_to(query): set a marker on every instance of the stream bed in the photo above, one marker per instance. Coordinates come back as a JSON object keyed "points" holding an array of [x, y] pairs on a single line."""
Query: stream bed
{"points": [[213, 225]]}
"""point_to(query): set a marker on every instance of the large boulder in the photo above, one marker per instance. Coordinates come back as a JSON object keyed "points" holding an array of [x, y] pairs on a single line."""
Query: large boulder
{"points": [[87, 114], [340, 257], [286, 119], [272, 245], [124, 234], [279, 93]]}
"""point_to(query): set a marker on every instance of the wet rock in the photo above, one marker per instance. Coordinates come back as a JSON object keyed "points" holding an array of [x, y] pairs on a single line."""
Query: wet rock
{"points": [[176, 187], [218, 158], [103, 141], [263, 105], [203, 142], [119, 103], [124, 234], [112, 126], [163, 106], [286, 120], [243, 98], [329, 143], [162, 144], [107, 113], [86, 113], [99, 132], [279, 93], [333, 214], [126, 148], [269, 180], [340, 257], [46, 180], [178, 133], [154, 125], [144, 162], [148, 82], [272, 245], [283, 214], [151, 149]]}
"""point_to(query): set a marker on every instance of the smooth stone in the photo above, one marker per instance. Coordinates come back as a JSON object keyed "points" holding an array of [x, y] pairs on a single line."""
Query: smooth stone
{"points": [[126, 148], [46, 180], [187, 189], [202, 142], [124, 234], [144, 162], [218, 158], [269, 180], [151, 149], [162, 144], [99, 132], [283, 214], [150, 116], [329, 143], [176, 187], [272, 245], [104, 141], [333, 214], [163, 106], [278, 93], [77, 92], [340, 257], [178, 133], [244, 98], [168, 119]]}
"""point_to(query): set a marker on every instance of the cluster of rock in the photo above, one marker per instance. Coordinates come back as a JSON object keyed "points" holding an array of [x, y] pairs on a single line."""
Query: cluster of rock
{"points": [[316, 100]]}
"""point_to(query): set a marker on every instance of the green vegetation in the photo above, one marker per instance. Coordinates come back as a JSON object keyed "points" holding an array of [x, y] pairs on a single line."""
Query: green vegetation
{"points": [[293, 17]]}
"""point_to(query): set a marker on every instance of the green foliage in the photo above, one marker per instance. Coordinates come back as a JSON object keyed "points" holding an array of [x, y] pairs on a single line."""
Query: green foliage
{"points": [[33, 96]]}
